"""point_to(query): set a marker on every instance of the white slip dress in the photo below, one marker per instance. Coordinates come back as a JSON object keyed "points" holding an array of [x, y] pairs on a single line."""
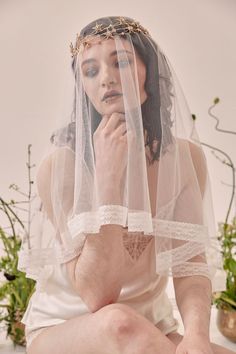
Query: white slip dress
{"points": [[143, 290]]}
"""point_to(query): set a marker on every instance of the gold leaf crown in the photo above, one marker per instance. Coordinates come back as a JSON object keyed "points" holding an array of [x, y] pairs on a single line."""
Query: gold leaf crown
{"points": [[120, 27]]}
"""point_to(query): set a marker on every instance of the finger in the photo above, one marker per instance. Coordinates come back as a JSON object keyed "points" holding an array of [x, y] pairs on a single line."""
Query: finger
{"points": [[103, 122], [114, 121], [121, 129], [128, 136]]}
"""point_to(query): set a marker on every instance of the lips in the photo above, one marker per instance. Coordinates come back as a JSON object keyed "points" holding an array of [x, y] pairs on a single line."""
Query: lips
{"points": [[111, 93]]}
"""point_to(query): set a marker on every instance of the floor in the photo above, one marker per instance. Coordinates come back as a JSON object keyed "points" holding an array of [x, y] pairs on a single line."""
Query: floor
{"points": [[7, 348]]}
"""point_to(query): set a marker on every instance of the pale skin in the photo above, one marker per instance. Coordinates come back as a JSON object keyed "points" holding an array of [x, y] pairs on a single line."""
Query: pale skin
{"points": [[110, 327]]}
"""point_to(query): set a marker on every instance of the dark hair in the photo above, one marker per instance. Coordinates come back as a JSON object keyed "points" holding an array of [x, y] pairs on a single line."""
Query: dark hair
{"points": [[151, 108]]}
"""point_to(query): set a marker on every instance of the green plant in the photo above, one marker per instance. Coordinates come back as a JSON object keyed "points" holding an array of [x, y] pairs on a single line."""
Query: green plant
{"points": [[16, 289], [226, 230], [227, 236]]}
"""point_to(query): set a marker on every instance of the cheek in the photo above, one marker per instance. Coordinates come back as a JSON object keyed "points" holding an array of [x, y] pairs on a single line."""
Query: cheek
{"points": [[117, 76], [142, 80], [142, 77], [92, 92]]}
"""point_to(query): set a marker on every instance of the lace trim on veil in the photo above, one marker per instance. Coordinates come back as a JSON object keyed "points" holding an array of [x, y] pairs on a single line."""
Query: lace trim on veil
{"points": [[193, 239], [110, 214]]}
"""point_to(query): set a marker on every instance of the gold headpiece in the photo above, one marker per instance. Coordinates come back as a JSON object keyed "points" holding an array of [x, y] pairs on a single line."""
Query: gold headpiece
{"points": [[121, 27]]}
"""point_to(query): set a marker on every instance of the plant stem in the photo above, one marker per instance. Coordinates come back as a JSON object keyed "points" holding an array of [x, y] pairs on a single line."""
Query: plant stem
{"points": [[17, 297], [6, 205], [228, 300], [218, 121], [29, 193]]}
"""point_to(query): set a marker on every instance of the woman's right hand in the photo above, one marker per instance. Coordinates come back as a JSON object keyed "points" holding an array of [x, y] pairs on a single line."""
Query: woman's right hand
{"points": [[110, 145]]}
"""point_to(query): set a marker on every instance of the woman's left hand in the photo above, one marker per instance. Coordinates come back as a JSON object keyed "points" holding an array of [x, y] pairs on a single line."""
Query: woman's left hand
{"points": [[194, 344]]}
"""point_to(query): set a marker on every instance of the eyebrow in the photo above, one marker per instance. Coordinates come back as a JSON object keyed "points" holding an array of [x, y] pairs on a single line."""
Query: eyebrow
{"points": [[115, 52]]}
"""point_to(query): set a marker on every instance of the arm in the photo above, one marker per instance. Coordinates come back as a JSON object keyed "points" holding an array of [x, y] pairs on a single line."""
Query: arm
{"points": [[193, 297], [96, 274], [193, 293]]}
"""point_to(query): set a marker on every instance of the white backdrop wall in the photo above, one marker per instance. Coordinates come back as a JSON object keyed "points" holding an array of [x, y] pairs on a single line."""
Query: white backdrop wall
{"points": [[198, 37]]}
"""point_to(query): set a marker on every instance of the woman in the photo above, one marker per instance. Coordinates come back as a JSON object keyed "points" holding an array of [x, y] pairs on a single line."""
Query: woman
{"points": [[126, 190]]}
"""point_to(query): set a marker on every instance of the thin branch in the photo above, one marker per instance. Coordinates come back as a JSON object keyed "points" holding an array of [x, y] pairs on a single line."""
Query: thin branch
{"points": [[21, 209], [216, 101], [21, 193], [4, 204], [29, 166], [223, 161], [18, 202], [9, 217]]}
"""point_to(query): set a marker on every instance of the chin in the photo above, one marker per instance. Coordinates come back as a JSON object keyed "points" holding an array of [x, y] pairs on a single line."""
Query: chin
{"points": [[113, 108]]}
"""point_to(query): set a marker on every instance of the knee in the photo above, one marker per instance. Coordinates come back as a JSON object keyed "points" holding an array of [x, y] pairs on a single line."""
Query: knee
{"points": [[119, 320], [131, 332]]}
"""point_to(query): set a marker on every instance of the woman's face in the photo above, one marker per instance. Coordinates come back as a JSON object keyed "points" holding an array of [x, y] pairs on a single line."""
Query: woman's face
{"points": [[101, 72]]}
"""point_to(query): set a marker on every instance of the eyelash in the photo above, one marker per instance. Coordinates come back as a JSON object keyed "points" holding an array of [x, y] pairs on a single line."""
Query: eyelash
{"points": [[118, 64], [128, 61]]}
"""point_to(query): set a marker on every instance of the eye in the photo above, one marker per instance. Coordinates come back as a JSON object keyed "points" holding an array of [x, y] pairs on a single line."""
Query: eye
{"points": [[123, 63], [91, 72]]}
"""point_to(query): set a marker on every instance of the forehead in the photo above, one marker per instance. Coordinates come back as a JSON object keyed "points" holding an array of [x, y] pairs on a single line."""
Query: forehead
{"points": [[104, 47]]}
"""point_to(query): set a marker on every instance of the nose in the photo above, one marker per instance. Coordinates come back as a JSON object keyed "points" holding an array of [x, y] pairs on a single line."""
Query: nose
{"points": [[108, 76]]}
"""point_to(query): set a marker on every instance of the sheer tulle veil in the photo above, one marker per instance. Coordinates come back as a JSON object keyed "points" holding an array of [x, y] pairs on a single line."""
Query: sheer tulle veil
{"points": [[176, 209]]}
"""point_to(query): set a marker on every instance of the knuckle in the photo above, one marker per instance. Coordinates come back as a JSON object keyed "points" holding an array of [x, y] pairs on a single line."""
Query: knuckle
{"points": [[105, 133], [114, 115]]}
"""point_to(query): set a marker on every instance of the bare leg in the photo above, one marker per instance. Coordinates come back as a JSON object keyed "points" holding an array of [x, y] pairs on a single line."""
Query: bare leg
{"points": [[116, 329], [217, 349]]}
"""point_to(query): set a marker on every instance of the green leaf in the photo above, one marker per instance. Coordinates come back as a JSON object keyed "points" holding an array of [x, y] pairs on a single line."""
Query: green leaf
{"points": [[4, 289], [232, 266], [228, 300]]}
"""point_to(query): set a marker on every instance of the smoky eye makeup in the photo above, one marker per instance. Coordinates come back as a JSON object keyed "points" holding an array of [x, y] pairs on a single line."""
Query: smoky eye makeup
{"points": [[90, 71], [123, 62], [89, 67]]}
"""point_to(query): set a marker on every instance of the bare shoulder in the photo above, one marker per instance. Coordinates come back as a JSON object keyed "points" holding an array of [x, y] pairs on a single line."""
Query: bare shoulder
{"points": [[198, 159], [61, 156], [59, 163]]}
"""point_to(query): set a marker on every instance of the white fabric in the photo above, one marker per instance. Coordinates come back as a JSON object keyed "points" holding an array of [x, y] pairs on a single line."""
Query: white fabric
{"points": [[143, 290], [154, 182]]}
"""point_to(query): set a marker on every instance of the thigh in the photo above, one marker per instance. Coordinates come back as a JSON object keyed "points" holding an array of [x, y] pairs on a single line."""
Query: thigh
{"points": [[115, 328], [81, 334]]}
